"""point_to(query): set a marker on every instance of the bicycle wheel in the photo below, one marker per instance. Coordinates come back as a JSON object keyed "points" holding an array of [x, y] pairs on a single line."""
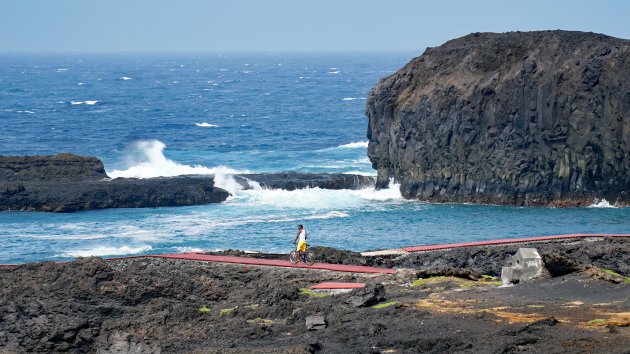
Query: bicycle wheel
{"points": [[293, 257], [309, 258]]}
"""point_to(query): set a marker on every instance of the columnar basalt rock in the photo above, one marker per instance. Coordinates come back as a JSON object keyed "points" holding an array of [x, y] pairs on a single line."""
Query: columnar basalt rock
{"points": [[521, 118]]}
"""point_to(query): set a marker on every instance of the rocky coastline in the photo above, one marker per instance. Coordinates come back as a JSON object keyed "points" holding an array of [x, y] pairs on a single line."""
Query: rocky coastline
{"points": [[69, 183], [435, 302], [518, 118]]}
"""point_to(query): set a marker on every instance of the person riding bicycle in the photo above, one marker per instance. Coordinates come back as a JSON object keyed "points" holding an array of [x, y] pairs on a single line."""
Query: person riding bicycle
{"points": [[300, 239]]}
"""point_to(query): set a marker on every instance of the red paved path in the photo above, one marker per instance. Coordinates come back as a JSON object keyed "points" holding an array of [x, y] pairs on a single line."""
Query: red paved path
{"points": [[359, 269], [274, 262], [506, 241]]}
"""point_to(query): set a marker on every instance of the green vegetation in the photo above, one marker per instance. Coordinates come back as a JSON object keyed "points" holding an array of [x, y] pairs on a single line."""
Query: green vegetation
{"points": [[626, 280], [596, 321], [464, 283], [423, 281], [204, 309], [486, 277], [385, 304], [611, 272], [309, 292], [227, 311]]}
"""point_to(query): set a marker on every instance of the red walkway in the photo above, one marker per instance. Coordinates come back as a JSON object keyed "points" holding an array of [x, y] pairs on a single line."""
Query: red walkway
{"points": [[273, 262], [506, 241]]}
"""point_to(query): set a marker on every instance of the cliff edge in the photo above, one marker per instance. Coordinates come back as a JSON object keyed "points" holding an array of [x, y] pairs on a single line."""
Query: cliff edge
{"points": [[520, 118]]}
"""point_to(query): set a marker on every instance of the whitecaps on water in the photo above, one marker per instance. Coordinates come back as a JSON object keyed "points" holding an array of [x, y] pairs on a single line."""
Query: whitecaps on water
{"points": [[355, 145], [125, 78], [107, 251], [87, 102], [206, 125]]}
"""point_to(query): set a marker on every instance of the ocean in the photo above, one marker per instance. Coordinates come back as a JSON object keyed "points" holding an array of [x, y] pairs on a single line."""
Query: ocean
{"points": [[166, 115]]}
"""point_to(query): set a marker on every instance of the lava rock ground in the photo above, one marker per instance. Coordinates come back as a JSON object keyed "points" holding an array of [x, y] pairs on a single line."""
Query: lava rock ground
{"points": [[151, 305]]}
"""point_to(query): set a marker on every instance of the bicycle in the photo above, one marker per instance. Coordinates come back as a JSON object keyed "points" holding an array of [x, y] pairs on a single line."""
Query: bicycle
{"points": [[308, 257]]}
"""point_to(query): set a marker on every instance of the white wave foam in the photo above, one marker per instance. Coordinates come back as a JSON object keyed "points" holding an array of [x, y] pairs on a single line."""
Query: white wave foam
{"points": [[206, 125], [601, 204], [27, 111], [355, 145], [81, 84], [391, 193], [61, 70], [361, 173], [107, 251], [187, 249], [90, 102], [334, 72], [348, 98], [125, 78], [152, 163], [329, 215], [315, 198], [76, 102]]}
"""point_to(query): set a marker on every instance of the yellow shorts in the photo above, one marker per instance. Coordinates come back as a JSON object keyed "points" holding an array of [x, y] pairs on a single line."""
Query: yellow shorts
{"points": [[301, 246]]}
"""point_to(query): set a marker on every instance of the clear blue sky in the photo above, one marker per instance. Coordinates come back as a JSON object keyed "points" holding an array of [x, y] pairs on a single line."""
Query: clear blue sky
{"points": [[285, 25]]}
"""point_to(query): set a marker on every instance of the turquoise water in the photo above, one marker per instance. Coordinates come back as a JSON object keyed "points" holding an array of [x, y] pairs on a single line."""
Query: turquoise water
{"points": [[167, 115]]}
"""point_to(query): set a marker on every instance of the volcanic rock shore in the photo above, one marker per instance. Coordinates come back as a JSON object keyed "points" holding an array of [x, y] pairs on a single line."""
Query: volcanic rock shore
{"points": [[436, 302], [68, 183], [519, 118]]}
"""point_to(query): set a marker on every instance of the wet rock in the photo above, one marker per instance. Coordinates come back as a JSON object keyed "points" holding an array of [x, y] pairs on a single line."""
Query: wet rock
{"points": [[519, 118], [295, 180], [369, 295], [315, 322]]}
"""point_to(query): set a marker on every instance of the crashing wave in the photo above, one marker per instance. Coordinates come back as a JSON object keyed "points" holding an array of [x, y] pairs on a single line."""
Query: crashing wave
{"points": [[603, 203], [152, 163]]}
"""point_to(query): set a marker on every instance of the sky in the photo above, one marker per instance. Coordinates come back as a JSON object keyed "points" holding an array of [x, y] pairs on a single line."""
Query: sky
{"points": [[285, 25]]}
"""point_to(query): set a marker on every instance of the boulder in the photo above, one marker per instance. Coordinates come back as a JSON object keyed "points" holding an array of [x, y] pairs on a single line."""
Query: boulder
{"points": [[315, 322], [367, 296]]}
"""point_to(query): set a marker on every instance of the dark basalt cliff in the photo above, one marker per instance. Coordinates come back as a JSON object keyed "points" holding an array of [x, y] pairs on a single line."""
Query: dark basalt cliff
{"points": [[522, 118], [67, 183]]}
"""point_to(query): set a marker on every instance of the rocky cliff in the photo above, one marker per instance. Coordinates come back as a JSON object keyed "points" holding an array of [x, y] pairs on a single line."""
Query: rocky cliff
{"points": [[521, 118]]}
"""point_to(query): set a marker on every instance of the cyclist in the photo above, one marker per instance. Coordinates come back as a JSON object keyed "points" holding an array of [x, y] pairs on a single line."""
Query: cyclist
{"points": [[300, 239]]}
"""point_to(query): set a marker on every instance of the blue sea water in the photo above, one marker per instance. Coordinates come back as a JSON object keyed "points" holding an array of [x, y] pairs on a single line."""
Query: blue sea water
{"points": [[150, 115]]}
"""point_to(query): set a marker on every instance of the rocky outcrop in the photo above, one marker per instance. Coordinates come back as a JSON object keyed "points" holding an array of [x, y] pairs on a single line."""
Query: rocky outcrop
{"points": [[521, 118], [67, 183], [295, 180]]}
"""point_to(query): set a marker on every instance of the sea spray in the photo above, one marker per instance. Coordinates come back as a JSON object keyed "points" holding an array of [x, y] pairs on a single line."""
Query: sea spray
{"points": [[148, 161]]}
